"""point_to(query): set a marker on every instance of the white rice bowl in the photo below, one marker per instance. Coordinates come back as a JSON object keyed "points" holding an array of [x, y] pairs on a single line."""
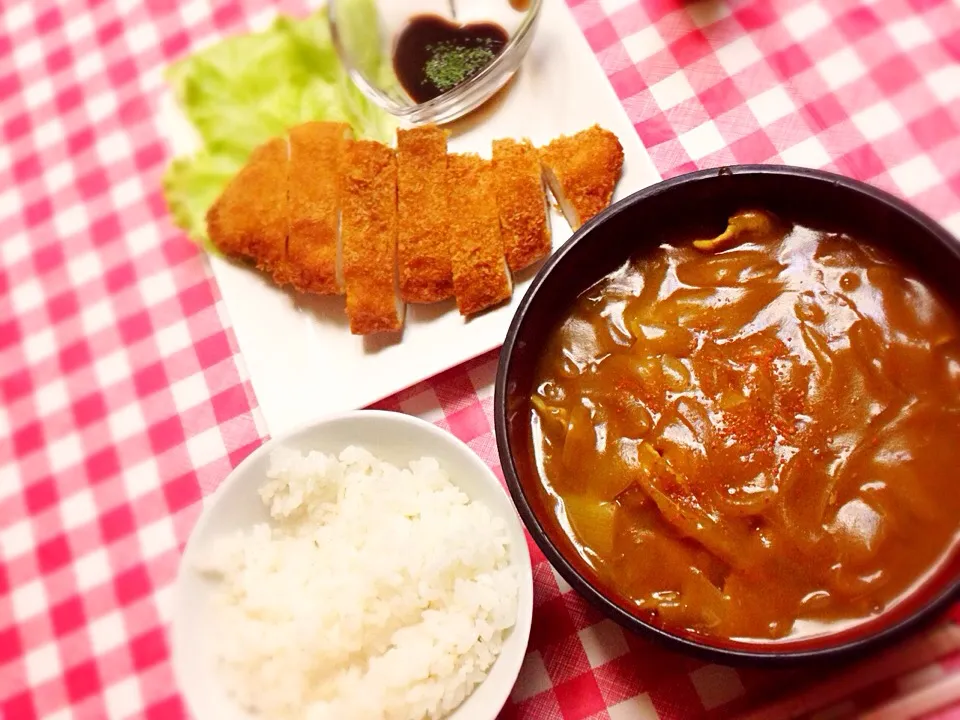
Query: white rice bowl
{"points": [[375, 592]]}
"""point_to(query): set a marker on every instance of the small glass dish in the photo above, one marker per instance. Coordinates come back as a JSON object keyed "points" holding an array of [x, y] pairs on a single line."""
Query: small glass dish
{"points": [[368, 55]]}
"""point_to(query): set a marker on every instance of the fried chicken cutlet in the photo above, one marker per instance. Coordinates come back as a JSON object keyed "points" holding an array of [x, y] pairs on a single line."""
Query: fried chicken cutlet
{"points": [[582, 170], [312, 246], [423, 256], [249, 220], [480, 275], [522, 202], [368, 234]]}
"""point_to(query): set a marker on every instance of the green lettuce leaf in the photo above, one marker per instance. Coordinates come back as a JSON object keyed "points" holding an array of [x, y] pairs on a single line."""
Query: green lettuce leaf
{"points": [[248, 88]]}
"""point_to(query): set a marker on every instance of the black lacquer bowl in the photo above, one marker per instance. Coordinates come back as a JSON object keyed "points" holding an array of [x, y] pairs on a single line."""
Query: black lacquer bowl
{"points": [[671, 209]]}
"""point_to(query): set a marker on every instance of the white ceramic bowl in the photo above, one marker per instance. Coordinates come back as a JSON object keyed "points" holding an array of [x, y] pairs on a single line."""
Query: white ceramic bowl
{"points": [[393, 437]]}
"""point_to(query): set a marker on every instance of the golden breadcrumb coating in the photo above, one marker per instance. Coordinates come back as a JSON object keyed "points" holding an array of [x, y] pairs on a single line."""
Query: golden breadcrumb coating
{"points": [[312, 264], [524, 221], [480, 275], [423, 255], [582, 171], [368, 230], [249, 219]]}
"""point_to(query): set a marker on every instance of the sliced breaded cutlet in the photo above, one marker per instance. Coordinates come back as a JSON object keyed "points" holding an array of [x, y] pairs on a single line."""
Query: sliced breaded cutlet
{"points": [[524, 217], [249, 219], [368, 234], [582, 170], [480, 275], [423, 255], [312, 246]]}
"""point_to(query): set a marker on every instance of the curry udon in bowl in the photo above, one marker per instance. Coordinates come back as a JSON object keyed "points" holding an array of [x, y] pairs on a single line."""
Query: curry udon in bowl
{"points": [[746, 432]]}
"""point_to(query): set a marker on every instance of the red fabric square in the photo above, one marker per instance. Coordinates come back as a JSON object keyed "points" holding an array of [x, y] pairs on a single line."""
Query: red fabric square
{"points": [[214, 349], [28, 439], [150, 155], [655, 130], [75, 356], [38, 212], [68, 616], [551, 622], [102, 465], [754, 16], [565, 659], [119, 277], [170, 707], [10, 84], [237, 455], [16, 126], [895, 74], [182, 492], [60, 59], [149, 649], [64, 306], [49, 20], [150, 379], [789, 62], [82, 681], [230, 403], [951, 43], [53, 554], [117, 523], [754, 148], [601, 36], [933, 129], [19, 706], [25, 169], [862, 163], [92, 185], [9, 331], [627, 82], [580, 697], [858, 23], [133, 111], [69, 98], [226, 16], [41, 495], [582, 614], [79, 141], [823, 113], [196, 298], [89, 409], [132, 585], [50, 256], [720, 98], [618, 680], [690, 48], [166, 434], [135, 328], [16, 386], [174, 45], [10, 646], [109, 32]]}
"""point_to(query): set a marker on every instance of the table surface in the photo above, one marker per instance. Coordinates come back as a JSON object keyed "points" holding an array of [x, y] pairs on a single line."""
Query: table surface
{"points": [[125, 401]]}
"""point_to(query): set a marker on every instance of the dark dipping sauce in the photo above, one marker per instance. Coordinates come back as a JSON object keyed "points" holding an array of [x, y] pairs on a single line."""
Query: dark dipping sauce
{"points": [[755, 438], [433, 55]]}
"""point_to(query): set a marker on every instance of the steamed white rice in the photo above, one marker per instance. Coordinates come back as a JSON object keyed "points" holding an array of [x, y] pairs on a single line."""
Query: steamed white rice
{"points": [[378, 592]]}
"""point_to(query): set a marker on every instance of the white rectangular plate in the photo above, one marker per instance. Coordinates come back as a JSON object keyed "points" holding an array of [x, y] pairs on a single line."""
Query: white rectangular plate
{"points": [[301, 357]]}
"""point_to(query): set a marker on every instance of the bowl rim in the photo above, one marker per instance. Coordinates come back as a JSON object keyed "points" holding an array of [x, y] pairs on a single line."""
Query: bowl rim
{"points": [[436, 109], [209, 504], [740, 654]]}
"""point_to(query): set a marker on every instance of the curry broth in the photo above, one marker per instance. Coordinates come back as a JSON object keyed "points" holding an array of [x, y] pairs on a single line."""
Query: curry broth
{"points": [[756, 435]]}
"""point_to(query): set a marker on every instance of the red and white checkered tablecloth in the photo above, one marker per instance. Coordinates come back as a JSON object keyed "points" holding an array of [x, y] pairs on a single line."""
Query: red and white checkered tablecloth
{"points": [[124, 401]]}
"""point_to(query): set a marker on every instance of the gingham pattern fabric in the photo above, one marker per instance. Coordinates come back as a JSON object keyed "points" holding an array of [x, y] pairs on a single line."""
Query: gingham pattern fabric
{"points": [[124, 402]]}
